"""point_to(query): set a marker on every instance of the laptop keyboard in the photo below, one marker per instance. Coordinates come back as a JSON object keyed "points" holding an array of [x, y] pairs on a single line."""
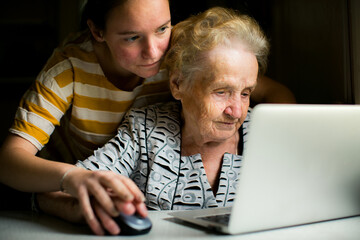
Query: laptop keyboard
{"points": [[222, 219]]}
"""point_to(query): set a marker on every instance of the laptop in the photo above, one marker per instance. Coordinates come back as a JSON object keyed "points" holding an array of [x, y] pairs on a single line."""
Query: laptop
{"points": [[301, 165]]}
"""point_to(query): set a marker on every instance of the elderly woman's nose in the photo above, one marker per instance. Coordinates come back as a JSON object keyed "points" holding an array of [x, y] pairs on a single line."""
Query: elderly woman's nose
{"points": [[234, 108], [150, 49]]}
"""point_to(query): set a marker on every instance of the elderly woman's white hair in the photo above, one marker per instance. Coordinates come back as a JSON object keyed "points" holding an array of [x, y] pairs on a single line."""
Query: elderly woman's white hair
{"points": [[203, 32]]}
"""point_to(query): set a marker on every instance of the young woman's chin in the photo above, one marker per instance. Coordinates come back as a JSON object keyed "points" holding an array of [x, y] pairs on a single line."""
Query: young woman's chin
{"points": [[148, 72]]}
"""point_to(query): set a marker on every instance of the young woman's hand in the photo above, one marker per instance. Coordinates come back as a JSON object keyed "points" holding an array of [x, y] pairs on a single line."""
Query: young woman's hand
{"points": [[112, 193]]}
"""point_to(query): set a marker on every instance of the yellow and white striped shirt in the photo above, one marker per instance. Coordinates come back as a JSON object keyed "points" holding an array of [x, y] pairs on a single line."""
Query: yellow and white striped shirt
{"points": [[73, 95]]}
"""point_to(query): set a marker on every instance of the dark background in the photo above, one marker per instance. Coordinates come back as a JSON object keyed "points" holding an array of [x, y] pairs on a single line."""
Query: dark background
{"points": [[312, 47]]}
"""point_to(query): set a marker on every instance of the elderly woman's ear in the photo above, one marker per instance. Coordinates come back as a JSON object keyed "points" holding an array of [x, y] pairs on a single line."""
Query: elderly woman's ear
{"points": [[175, 86]]}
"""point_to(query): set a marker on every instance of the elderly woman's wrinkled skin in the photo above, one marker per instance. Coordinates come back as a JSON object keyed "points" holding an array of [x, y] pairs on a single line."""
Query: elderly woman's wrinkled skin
{"points": [[216, 104]]}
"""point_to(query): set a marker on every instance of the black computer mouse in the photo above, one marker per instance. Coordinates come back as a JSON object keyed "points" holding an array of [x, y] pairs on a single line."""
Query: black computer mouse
{"points": [[133, 224]]}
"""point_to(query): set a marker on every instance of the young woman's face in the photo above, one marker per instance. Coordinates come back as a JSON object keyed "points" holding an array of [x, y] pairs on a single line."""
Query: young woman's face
{"points": [[137, 34]]}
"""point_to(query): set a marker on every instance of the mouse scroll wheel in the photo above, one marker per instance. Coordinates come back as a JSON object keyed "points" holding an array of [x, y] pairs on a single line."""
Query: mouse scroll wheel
{"points": [[139, 220]]}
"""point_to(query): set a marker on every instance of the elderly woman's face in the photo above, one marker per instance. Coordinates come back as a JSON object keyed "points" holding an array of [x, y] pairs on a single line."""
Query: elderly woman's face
{"points": [[216, 104]]}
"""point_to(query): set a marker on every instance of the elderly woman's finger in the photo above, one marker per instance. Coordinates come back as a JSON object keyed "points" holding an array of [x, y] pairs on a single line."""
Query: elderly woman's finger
{"points": [[141, 209], [130, 208], [106, 220], [102, 196], [85, 206], [127, 208]]}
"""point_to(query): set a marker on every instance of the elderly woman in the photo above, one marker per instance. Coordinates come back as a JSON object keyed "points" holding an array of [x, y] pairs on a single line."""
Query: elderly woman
{"points": [[186, 154]]}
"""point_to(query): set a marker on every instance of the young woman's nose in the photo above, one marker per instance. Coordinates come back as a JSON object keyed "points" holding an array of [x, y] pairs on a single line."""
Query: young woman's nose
{"points": [[150, 48]]}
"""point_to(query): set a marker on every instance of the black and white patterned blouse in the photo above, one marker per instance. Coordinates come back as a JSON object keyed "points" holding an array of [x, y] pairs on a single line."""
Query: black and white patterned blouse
{"points": [[147, 149]]}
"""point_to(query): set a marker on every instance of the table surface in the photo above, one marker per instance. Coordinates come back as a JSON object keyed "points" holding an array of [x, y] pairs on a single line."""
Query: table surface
{"points": [[26, 225]]}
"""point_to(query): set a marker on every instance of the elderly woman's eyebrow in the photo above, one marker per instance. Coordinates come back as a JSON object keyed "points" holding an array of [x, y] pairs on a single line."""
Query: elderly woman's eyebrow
{"points": [[221, 85], [252, 87]]}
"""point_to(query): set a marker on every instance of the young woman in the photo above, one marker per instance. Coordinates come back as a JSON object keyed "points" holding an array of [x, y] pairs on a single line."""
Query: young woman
{"points": [[80, 96], [83, 91]]}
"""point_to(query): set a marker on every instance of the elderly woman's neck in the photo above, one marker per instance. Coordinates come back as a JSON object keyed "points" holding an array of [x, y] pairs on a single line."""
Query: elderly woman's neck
{"points": [[212, 153], [192, 144]]}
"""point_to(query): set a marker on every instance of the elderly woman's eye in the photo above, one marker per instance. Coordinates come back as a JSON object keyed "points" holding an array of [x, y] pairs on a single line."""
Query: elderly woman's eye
{"points": [[220, 93], [246, 94]]}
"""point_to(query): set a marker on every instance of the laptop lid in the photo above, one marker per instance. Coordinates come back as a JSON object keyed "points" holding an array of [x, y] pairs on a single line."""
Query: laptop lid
{"points": [[301, 165]]}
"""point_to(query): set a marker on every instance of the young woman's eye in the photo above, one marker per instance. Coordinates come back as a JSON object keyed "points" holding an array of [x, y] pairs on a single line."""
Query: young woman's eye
{"points": [[163, 29], [132, 39]]}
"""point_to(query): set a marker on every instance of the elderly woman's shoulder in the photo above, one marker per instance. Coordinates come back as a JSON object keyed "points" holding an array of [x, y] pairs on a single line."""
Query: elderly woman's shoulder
{"points": [[161, 106], [170, 108], [165, 115]]}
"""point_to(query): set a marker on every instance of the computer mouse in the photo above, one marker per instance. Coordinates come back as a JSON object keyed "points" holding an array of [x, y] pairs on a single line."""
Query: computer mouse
{"points": [[133, 224]]}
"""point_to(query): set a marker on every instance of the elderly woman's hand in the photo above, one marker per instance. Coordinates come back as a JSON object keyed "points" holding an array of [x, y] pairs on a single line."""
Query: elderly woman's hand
{"points": [[113, 193], [107, 221]]}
